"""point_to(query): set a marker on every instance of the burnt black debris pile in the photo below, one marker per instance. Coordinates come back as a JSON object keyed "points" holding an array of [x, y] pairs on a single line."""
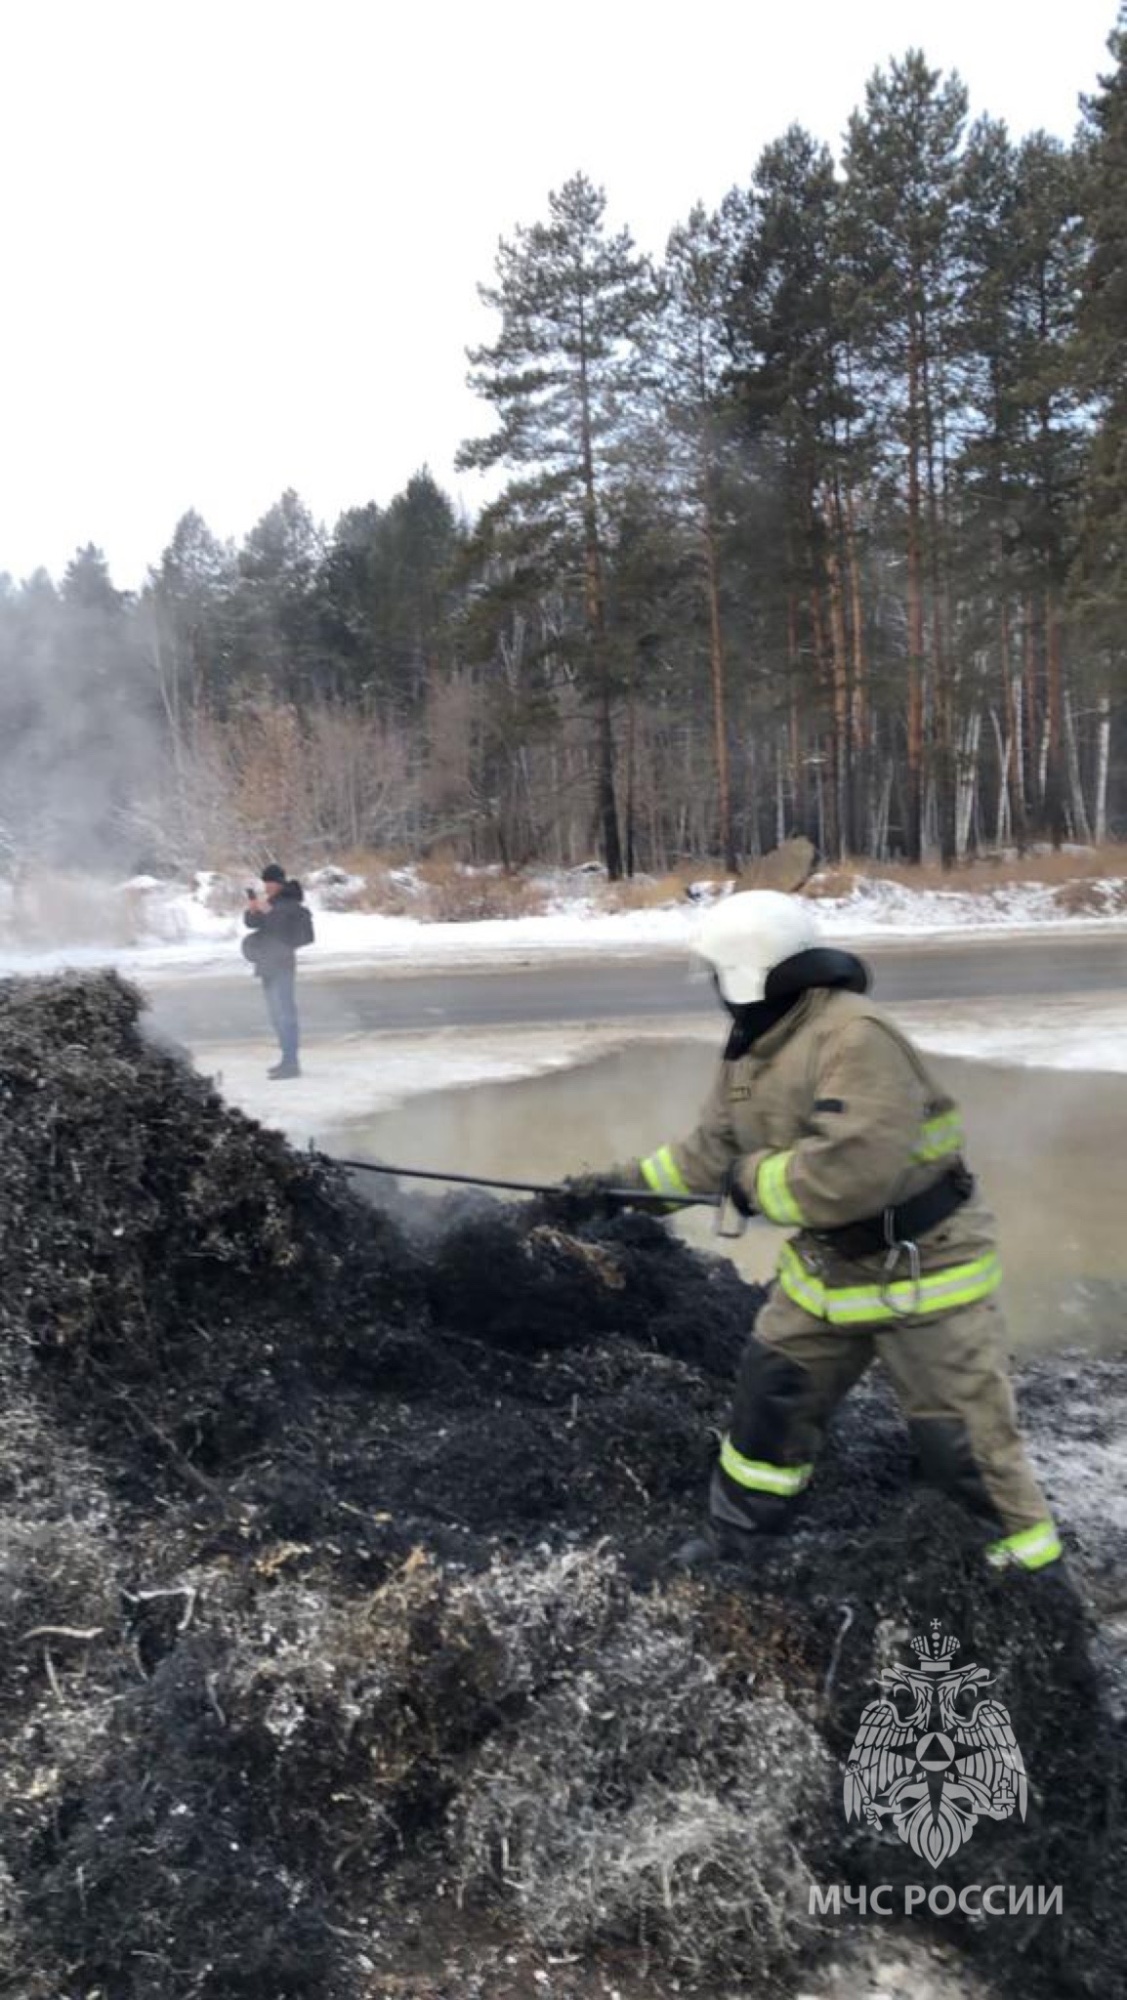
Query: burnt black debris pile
{"points": [[338, 1652]]}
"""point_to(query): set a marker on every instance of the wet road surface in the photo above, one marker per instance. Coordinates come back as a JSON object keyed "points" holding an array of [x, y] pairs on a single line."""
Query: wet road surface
{"points": [[604, 989]]}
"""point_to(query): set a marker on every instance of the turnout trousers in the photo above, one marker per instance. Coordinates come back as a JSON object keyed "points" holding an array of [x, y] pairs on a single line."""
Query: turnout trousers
{"points": [[950, 1376]]}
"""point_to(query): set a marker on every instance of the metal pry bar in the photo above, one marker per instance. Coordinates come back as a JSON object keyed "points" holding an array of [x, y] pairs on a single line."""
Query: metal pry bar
{"points": [[636, 1196]]}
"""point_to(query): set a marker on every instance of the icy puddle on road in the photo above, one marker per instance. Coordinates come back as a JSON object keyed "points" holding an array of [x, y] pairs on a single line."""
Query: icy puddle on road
{"points": [[1048, 1146]]}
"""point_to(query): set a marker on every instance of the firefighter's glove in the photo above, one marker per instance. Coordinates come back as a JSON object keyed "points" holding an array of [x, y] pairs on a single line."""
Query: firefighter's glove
{"points": [[582, 1198], [739, 1187]]}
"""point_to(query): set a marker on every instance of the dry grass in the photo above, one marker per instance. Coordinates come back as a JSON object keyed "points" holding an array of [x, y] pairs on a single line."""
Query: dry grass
{"points": [[668, 1827], [441, 889], [1045, 865], [1069, 870], [383, 894], [653, 892], [457, 895], [1089, 898], [438, 888], [831, 883], [366, 860]]}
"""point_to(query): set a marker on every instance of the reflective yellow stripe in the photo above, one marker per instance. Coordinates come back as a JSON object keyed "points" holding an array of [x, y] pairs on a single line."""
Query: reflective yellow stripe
{"points": [[800, 1285], [861, 1305], [1032, 1548], [772, 1193], [663, 1174], [939, 1136], [760, 1477]]}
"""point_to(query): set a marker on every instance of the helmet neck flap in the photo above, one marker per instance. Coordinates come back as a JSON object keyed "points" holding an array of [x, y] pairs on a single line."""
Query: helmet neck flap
{"points": [[820, 966]]}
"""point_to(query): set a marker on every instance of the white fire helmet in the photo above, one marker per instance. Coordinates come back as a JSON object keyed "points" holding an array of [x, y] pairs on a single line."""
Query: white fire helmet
{"points": [[744, 937]]}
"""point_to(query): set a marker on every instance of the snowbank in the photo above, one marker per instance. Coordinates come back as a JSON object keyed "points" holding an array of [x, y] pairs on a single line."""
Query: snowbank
{"points": [[1063, 1032], [180, 930], [876, 907]]}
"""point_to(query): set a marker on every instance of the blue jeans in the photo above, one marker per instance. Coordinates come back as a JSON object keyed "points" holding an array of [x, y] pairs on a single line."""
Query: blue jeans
{"points": [[281, 1005]]}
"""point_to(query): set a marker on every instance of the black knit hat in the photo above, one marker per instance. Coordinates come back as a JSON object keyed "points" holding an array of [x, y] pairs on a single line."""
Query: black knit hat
{"points": [[273, 873]]}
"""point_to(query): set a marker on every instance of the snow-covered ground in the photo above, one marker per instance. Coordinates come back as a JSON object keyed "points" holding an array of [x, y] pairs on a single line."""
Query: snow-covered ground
{"points": [[355, 1077], [180, 932], [1063, 1032]]}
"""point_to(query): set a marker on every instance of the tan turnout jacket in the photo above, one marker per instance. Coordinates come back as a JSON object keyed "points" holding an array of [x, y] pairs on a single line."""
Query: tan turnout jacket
{"points": [[829, 1119]]}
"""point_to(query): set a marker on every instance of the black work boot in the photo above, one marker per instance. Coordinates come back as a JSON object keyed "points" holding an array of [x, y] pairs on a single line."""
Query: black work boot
{"points": [[716, 1545], [731, 1536], [737, 1532]]}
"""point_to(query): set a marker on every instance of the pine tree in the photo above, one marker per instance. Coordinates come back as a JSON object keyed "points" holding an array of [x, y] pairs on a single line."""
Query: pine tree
{"points": [[987, 475], [791, 353], [278, 641], [1101, 571], [564, 376], [349, 608], [187, 606], [901, 165], [384, 598], [1022, 262], [698, 421], [419, 544], [1049, 248]]}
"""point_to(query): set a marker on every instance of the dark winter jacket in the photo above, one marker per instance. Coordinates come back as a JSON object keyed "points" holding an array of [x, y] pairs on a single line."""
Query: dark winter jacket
{"points": [[278, 932]]}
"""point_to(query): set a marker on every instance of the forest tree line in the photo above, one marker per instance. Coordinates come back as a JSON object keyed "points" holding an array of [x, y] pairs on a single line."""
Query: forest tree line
{"points": [[818, 525]]}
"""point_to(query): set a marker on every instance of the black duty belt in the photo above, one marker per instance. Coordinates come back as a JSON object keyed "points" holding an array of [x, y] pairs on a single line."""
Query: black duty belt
{"points": [[907, 1223]]}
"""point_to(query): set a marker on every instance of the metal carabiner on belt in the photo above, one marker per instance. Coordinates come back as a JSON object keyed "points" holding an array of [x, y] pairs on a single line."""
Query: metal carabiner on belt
{"points": [[898, 1247]]}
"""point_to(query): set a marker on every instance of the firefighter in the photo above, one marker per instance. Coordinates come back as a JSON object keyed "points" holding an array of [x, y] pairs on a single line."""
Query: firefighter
{"points": [[825, 1119]]}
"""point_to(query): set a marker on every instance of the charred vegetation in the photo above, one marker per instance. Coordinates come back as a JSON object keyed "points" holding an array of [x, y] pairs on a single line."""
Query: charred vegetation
{"points": [[340, 1654]]}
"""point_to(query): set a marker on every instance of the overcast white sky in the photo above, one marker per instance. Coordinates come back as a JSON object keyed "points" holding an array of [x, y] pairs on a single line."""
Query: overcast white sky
{"points": [[242, 238]]}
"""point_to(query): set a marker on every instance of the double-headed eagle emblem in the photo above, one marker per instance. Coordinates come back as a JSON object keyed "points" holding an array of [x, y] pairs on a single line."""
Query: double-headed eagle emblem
{"points": [[932, 1756]]}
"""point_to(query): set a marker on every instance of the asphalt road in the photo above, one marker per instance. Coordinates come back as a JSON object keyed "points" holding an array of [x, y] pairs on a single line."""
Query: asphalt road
{"points": [[202, 1010]]}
